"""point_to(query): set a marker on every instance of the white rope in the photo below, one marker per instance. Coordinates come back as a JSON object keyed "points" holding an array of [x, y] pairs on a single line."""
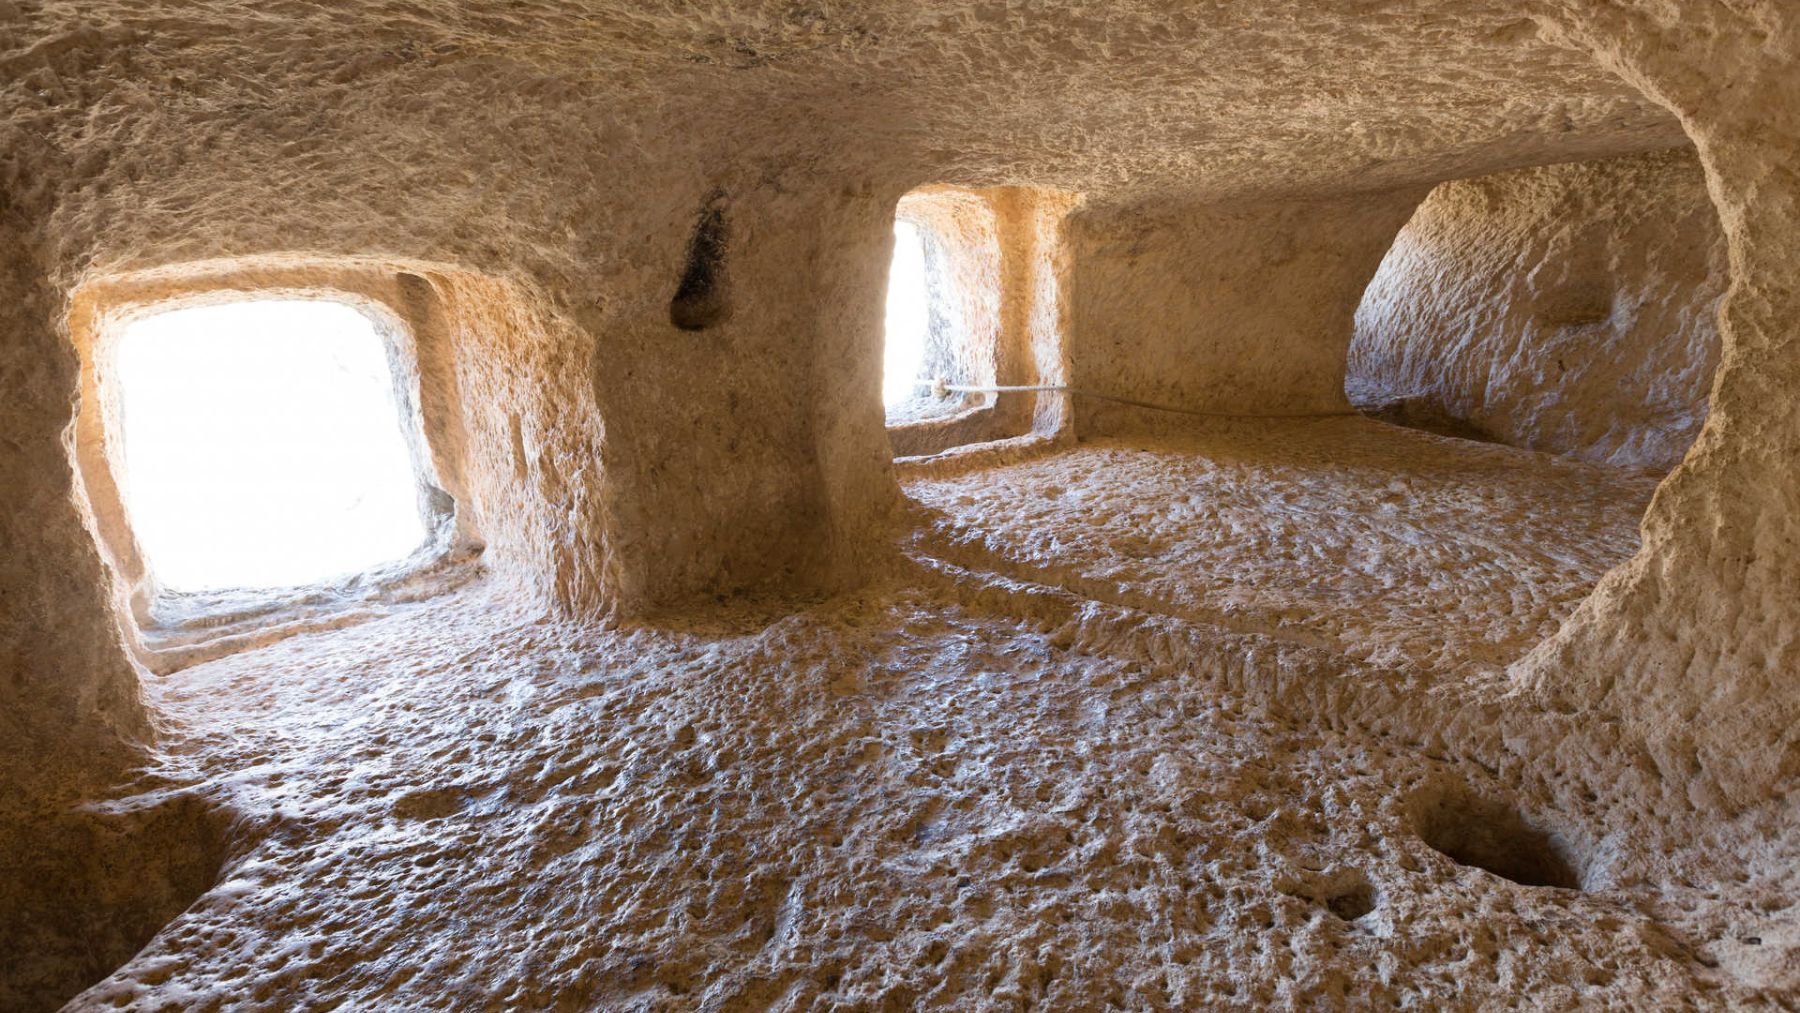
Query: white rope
{"points": [[940, 389]]}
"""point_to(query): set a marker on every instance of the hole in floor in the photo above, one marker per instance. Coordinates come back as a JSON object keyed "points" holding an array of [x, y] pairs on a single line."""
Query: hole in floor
{"points": [[1495, 837], [86, 890], [1351, 899]]}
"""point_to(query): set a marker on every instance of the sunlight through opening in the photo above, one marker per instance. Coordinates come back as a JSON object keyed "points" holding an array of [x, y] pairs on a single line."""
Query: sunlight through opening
{"points": [[908, 317], [262, 446]]}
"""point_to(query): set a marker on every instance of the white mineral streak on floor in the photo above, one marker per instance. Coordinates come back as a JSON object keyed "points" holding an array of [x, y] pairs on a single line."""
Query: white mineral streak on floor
{"points": [[958, 791]]}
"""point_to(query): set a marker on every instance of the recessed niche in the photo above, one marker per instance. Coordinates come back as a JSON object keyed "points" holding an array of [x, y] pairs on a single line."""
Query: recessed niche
{"points": [[1495, 837], [1603, 350], [703, 297]]}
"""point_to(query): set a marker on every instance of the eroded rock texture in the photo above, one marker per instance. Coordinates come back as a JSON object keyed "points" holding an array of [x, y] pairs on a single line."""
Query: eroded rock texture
{"points": [[1173, 303], [985, 791], [712, 704], [1570, 308]]}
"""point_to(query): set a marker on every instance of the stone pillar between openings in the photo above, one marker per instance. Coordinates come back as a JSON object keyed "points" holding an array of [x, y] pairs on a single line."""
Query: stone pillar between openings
{"points": [[748, 455]]}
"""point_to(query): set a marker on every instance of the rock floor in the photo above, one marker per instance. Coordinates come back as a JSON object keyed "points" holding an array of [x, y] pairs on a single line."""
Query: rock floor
{"points": [[1153, 726], [1386, 544]]}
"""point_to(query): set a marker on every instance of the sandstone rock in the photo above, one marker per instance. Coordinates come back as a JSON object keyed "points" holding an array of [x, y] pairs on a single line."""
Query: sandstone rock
{"points": [[715, 693]]}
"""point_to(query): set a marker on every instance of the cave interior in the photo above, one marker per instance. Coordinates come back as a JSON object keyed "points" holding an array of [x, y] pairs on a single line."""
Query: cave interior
{"points": [[797, 504]]}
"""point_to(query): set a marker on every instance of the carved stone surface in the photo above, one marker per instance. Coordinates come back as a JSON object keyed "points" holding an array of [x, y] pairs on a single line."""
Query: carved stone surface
{"points": [[723, 709]]}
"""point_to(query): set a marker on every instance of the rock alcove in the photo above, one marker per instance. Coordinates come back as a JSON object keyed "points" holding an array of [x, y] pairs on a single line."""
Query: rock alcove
{"points": [[1336, 405]]}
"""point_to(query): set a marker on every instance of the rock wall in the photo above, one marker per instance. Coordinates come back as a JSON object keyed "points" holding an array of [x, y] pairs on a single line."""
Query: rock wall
{"points": [[1223, 308], [1568, 308], [1691, 644], [69, 706], [569, 154]]}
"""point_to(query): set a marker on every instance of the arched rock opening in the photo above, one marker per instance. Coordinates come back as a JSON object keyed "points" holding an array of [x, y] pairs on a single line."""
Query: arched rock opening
{"points": [[994, 272], [1568, 308]]}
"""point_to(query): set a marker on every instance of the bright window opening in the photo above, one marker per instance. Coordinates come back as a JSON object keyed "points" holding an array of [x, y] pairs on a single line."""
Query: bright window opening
{"points": [[908, 318], [262, 446]]}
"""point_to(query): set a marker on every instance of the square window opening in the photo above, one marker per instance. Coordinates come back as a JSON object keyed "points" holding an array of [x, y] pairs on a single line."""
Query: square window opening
{"points": [[263, 447], [256, 461]]}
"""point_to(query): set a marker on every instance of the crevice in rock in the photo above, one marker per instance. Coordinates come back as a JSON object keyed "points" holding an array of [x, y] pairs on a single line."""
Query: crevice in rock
{"points": [[703, 299], [1352, 899]]}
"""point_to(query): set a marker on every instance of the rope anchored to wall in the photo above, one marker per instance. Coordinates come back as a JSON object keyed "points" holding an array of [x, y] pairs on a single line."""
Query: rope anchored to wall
{"points": [[939, 388]]}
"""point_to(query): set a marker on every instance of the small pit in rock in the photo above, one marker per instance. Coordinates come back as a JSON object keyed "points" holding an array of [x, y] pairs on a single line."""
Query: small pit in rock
{"points": [[1352, 899], [1495, 837]]}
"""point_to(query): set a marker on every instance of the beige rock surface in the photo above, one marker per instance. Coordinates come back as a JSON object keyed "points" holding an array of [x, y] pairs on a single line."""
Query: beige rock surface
{"points": [[1238, 308], [1570, 308], [982, 792], [1691, 643], [1441, 558], [716, 719]]}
